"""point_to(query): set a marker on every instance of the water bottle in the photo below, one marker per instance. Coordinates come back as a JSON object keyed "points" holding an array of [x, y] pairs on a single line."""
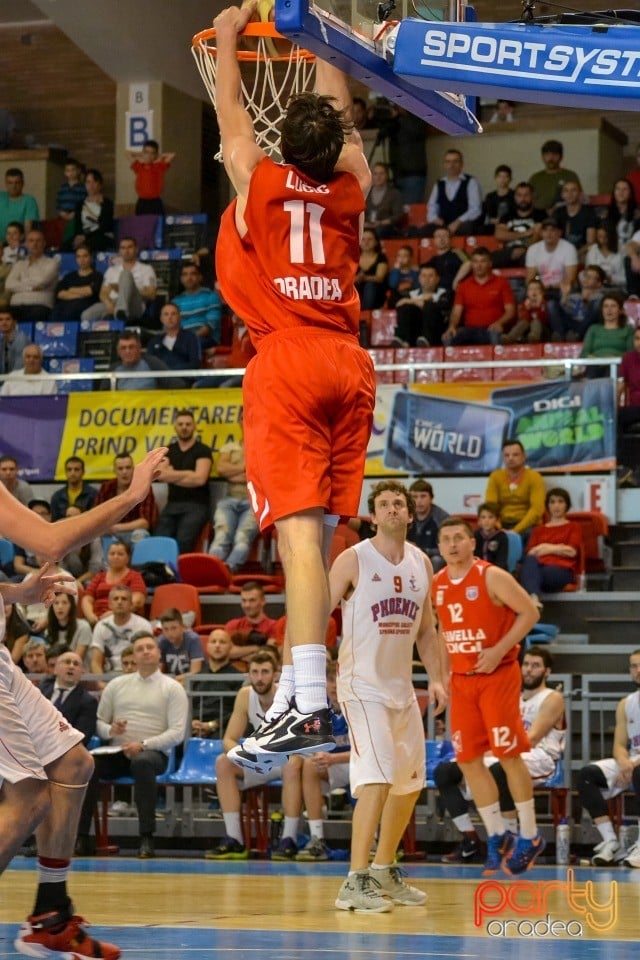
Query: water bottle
{"points": [[626, 835], [277, 823], [563, 842]]}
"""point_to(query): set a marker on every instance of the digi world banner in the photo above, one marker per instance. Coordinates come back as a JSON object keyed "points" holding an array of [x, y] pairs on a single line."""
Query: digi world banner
{"points": [[436, 429]]}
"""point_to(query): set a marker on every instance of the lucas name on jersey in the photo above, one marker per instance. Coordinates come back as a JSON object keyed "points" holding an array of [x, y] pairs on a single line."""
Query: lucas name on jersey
{"points": [[395, 606], [464, 641], [309, 287], [301, 186]]}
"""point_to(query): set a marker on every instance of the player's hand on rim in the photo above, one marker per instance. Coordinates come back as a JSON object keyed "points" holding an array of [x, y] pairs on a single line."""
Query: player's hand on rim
{"points": [[233, 20]]}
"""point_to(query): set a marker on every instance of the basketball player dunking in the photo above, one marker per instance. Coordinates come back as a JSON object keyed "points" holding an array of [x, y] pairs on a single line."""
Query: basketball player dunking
{"points": [[483, 615], [286, 259], [383, 584]]}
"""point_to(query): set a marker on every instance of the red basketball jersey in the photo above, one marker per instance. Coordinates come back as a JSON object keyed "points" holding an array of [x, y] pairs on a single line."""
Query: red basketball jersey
{"points": [[297, 262], [469, 619]]}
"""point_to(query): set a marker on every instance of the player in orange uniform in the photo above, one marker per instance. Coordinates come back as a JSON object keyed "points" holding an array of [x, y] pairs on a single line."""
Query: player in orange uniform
{"points": [[287, 255], [483, 615]]}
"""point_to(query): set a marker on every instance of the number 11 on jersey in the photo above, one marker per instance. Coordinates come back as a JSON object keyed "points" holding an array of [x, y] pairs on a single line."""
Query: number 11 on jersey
{"points": [[299, 211]]}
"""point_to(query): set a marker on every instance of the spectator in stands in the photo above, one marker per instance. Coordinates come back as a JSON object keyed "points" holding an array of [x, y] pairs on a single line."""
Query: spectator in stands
{"points": [[18, 488], [552, 559], [128, 660], [150, 167], [543, 715], [210, 710], [359, 113], [32, 282], [16, 205], [499, 204], [30, 380], [456, 199], [129, 349], [532, 325], [115, 631], [79, 289], [632, 265], [35, 658], [385, 209], [547, 183], [633, 176], [552, 260], [63, 625], [611, 337], [139, 522], [492, 543], [95, 602], [629, 400], [423, 314], [180, 649], [251, 704], [518, 229], [186, 472], [572, 315], [178, 349], [484, 305], [126, 286], [423, 529], [407, 142], [5, 270], [200, 308], [403, 277], [504, 112], [70, 194], [605, 253], [452, 265], [26, 563], [254, 629], [623, 211], [14, 249], [12, 342], [88, 560], [324, 773], [76, 492], [604, 779], [371, 278], [234, 524], [75, 703], [576, 220], [94, 222], [517, 489], [16, 633], [146, 713]]}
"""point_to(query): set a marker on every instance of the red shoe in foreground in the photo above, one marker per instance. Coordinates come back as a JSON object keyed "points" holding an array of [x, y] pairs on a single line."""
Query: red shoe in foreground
{"points": [[47, 937]]}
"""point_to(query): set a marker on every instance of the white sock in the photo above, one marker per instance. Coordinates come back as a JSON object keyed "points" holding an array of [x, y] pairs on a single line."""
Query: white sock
{"points": [[310, 668], [511, 824], [290, 828], [464, 823], [316, 828], [233, 826], [381, 866], [606, 831], [527, 819], [492, 819], [284, 693]]}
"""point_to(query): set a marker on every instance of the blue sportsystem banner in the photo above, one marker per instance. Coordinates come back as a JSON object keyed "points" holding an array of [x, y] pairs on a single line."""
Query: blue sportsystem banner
{"points": [[584, 66]]}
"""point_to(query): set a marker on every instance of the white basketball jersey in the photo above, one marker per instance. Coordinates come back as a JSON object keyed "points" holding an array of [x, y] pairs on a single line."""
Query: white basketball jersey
{"points": [[380, 623], [632, 713], [553, 743], [255, 712]]}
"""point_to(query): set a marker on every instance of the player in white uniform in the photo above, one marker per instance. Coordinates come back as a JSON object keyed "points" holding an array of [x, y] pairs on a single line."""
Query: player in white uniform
{"points": [[250, 706], [44, 769], [599, 781], [542, 712], [384, 584]]}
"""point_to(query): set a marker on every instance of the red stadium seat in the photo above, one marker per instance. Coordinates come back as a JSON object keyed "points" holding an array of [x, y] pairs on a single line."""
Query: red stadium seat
{"points": [[518, 351], [383, 357], [465, 355], [419, 355], [383, 327], [204, 572]]}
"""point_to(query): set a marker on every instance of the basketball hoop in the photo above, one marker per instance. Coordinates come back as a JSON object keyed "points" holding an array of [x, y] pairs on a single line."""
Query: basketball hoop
{"points": [[279, 70]]}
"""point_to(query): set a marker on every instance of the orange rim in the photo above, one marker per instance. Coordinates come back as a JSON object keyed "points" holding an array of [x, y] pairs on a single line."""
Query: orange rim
{"points": [[259, 29]]}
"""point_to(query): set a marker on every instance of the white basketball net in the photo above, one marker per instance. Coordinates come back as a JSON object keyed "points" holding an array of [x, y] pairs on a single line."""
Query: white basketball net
{"points": [[268, 83]]}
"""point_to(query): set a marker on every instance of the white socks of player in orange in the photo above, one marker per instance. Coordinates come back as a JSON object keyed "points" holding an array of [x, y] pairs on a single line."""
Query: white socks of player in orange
{"points": [[310, 669], [284, 693], [527, 819], [606, 831], [492, 819]]}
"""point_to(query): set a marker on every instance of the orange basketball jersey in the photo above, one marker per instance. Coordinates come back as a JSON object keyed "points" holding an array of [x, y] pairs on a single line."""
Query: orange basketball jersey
{"points": [[469, 619], [297, 262]]}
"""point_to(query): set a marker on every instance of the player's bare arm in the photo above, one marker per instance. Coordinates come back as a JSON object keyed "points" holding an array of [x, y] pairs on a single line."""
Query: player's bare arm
{"points": [[429, 645], [550, 714], [621, 746], [240, 152], [504, 591], [343, 576], [331, 82], [237, 721], [41, 588]]}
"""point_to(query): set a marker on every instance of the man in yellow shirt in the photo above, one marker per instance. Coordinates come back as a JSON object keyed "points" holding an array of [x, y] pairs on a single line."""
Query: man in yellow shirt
{"points": [[518, 489]]}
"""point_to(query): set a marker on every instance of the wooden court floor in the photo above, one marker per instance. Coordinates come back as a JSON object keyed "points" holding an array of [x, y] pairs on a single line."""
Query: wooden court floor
{"points": [[194, 908]]}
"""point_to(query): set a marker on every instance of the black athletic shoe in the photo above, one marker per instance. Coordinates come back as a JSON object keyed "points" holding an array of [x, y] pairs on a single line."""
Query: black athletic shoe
{"points": [[293, 732], [469, 850]]}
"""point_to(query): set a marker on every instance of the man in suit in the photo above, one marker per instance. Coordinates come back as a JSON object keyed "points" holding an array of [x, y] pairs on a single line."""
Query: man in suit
{"points": [[72, 700]]}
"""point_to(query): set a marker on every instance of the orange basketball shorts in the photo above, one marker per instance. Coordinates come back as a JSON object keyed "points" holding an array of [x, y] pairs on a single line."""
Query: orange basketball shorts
{"points": [[309, 396], [485, 714]]}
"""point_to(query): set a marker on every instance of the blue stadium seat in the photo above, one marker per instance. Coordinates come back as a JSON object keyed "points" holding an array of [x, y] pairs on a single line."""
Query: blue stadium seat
{"points": [[437, 751], [7, 551], [515, 550], [156, 550], [198, 763]]}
